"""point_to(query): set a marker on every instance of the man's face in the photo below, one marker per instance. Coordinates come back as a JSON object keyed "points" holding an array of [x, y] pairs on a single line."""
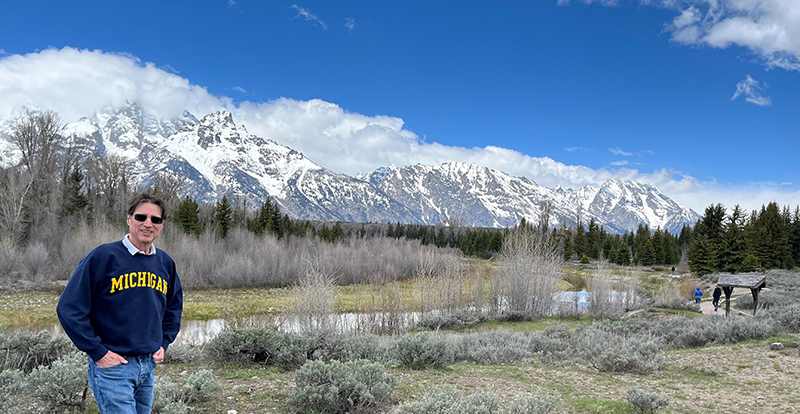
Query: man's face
{"points": [[143, 233]]}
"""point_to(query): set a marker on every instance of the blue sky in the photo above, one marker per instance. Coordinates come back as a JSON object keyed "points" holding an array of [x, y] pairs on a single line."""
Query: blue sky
{"points": [[701, 98]]}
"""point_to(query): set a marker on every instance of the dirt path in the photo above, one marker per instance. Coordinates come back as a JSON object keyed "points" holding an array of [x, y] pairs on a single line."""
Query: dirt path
{"points": [[708, 309]]}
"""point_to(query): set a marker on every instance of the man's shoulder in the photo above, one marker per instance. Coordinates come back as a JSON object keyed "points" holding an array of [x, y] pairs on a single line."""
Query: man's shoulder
{"points": [[111, 247]]}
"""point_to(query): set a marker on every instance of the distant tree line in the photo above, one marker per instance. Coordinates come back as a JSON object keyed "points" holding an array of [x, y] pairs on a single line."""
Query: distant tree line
{"points": [[744, 242]]}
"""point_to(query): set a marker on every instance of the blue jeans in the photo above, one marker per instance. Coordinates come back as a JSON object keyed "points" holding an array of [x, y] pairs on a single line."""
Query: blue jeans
{"points": [[124, 388]]}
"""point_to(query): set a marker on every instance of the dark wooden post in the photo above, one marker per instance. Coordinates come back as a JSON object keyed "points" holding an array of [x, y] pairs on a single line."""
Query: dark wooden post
{"points": [[755, 299], [728, 292]]}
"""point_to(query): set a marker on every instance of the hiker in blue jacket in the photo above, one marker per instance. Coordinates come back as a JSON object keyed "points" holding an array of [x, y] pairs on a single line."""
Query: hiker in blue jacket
{"points": [[698, 294], [123, 307]]}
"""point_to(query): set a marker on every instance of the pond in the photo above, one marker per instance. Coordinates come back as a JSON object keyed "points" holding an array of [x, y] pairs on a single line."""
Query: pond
{"points": [[197, 332]]}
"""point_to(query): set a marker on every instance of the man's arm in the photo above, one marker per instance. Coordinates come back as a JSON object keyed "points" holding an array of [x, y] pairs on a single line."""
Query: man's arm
{"points": [[171, 324], [74, 308]]}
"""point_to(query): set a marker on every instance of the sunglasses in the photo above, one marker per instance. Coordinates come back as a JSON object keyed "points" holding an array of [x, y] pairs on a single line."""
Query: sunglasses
{"points": [[143, 218]]}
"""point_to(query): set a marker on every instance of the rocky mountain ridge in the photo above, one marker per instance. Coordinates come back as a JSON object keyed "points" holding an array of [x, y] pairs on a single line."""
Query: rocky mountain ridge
{"points": [[213, 156]]}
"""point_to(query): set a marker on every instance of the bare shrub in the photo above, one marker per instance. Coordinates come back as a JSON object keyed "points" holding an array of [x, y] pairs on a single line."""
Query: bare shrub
{"points": [[602, 298], [528, 282], [314, 297], [8, 262], [36, 261], [82, 240], [670, 296]]}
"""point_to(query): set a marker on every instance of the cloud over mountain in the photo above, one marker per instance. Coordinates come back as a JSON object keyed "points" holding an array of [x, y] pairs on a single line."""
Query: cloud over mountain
{"points": [[76, 82]]}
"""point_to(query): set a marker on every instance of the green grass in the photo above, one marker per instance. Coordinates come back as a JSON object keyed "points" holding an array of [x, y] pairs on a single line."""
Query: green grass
{"points": [[595, 405], [538, 325]]}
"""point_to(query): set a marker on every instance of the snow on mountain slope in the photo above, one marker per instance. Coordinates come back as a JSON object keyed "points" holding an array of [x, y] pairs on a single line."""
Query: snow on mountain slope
{"points": [[214, 157]]}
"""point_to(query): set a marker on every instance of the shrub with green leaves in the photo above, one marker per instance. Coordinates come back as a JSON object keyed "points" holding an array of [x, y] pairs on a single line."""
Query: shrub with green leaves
{"points": [[26, 350], [62, 385], [350, 348], [422, 351], [172, 398], [287, 351], [554, 344], [342, 387], [456, 319], [437, 400], [478, 403], [448, 400], [183, 354], [541, 402], [168, 397], [610, 352], [495, 347], [13, 386], [645, 402], [786, 318]]}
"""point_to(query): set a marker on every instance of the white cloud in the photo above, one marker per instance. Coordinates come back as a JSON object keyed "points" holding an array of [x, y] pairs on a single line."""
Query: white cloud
{"points": [[308, 16], [239, 89], [350, 24], [619, 163], [753, 92], [75, 83], [78, 82], [573, 149], [617, 151], [770, 29]]}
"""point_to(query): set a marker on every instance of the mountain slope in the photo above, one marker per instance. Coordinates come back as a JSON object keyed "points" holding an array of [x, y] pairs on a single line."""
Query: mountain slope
{"points": [[213, 157]]}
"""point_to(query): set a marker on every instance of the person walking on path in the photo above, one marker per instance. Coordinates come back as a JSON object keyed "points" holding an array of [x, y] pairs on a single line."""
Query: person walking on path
{"points": [[698, 295], [715, 297], [123, 307]]}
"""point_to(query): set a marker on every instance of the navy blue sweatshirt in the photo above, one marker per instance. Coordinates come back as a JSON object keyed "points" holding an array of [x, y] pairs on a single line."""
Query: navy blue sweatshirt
{"points": [[128, 304]]}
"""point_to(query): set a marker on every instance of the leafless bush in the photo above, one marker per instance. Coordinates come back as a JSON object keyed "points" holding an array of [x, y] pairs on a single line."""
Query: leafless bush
{"points": [[8, 262], [527, 284], [82, 240], [36, 260], [671, 296], [602, 297], [314, 297]]}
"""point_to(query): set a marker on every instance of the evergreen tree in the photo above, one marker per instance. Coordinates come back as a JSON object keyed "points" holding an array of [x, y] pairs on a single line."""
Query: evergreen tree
{"points": [[569, 248], [593, 240], [645, 254], [712, 226], [772, 238], [76, 201], [794, 236], [658, 247], [265, 218], [441, 240], [223, 217], [579, 243], [623, 255], [702, 255], [734, 244], [187, 216], [337, 233]]}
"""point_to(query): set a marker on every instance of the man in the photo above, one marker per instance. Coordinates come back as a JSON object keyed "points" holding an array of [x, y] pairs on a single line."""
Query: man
{"points": [[123, 307], [717, 294]]}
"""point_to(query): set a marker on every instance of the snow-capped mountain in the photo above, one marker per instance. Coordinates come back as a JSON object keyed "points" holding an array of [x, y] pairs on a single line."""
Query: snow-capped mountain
{"points": [[485, 197], [214, 157]]}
